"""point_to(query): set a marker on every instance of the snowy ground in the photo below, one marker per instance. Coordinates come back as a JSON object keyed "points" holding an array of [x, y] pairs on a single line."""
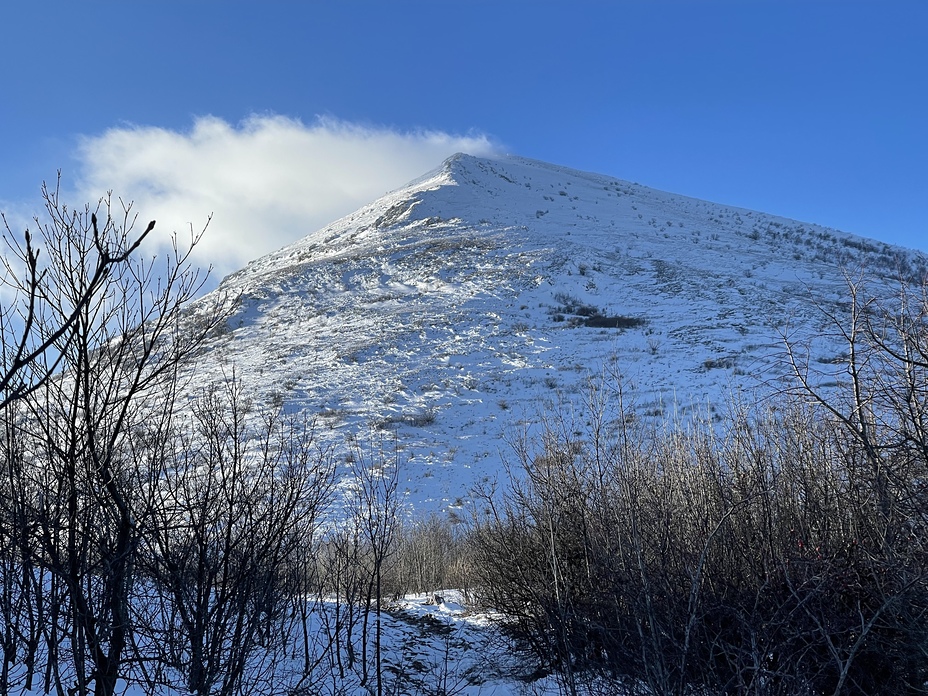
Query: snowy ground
{"points": [[431, 644], [442, 647]]}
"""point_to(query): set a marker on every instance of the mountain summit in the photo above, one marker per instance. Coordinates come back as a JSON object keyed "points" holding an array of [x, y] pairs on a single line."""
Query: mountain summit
{"points": [[454, 310]]}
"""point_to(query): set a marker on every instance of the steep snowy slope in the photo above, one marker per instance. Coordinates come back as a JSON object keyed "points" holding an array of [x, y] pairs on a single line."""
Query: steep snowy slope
{"points": [[454, 310]]}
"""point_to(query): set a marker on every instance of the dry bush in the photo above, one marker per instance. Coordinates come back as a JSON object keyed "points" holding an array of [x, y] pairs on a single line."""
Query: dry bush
{"points": [[782, 551], [749, 560], [429, 556]]}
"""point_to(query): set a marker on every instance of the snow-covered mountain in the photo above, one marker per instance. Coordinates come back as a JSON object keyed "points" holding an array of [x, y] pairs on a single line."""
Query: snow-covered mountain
{"points": [[454, 310]]}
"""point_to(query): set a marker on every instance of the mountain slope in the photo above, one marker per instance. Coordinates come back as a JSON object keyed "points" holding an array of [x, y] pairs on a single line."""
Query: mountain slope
{"points": [[453, 310]]}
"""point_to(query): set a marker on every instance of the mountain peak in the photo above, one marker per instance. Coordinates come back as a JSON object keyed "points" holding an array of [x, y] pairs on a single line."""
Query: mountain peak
{"points": [[452, 310]]}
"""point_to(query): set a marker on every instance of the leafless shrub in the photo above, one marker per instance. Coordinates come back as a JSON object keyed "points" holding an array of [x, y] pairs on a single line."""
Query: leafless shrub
{"points": [[429, 556], [354, 559], [782, 551], [87, 397], [224, 560]]}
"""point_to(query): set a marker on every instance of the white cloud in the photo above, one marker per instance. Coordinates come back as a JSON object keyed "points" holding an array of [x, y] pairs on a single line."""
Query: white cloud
{"points": [[267, 182]]}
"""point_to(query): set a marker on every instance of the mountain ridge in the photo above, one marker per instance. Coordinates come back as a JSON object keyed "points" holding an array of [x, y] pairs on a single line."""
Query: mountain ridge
{"points": [[454, 310]]}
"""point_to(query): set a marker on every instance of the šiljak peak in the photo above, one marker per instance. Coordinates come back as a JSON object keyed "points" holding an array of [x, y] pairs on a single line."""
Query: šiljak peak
{"points": [[453, 313]]}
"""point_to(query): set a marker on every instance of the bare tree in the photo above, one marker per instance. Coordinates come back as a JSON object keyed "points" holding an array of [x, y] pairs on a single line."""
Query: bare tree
{"points": [[237, 506], [879, 409], [88, 389], [376, 508], [429, 556], [355, 558], [30, 323]]}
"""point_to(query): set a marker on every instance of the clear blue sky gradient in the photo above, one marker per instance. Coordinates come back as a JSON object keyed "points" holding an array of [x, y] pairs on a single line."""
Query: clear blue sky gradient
{"points": [[811, 109]]}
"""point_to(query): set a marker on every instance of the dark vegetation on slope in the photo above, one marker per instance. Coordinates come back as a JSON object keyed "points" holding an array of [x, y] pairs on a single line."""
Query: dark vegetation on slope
{"points": [[575, 313], [161, 541], [784, 551]]}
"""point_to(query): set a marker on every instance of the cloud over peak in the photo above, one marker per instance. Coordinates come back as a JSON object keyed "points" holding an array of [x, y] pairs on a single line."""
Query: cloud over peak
{"points": [[267, 181]]}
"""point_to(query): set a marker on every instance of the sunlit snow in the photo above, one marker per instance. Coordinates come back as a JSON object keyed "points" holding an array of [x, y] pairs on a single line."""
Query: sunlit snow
{"points": [[453, 312]]}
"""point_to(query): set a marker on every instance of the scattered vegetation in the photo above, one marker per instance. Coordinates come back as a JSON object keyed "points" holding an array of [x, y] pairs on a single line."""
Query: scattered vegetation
{"points": [[570, 310], [417, 419], [724, 363]]}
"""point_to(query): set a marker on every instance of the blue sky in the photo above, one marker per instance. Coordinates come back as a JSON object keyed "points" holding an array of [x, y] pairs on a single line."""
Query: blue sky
{"points": [[810, 109]]}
